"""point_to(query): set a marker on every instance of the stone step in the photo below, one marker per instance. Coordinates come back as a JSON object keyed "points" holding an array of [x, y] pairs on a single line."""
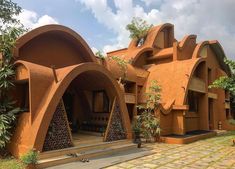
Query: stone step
{"points": [[91, 153], [78, 148]]}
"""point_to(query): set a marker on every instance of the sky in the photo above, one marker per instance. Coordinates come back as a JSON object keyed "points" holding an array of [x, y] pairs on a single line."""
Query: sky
{"points": [[102, 23]]}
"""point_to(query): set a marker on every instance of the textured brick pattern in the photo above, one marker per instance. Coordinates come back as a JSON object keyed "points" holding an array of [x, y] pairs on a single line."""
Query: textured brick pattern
{"points": [[58, 136], [116, 130]]}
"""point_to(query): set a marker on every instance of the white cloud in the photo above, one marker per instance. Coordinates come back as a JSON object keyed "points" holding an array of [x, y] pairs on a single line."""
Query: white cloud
{"points": [[206, 19], [30, 19], [151, 2]]}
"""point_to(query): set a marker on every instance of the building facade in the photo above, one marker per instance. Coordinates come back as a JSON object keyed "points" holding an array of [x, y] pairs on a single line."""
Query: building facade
{"points": [[64, 88]]}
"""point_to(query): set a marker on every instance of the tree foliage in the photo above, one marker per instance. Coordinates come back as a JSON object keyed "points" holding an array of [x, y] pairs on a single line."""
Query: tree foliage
{"points": [[8, 36], [122, 63], [100, 55], [225, 82], [8, 12], [148, 122], [138, 28]]}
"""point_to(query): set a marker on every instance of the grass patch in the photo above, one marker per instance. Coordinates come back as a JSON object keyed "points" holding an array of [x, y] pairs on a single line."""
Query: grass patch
{"points": [[11, 163]]}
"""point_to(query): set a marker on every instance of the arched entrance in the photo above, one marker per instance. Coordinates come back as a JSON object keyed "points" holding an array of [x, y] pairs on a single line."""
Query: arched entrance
{"points": [[88, 103], [89, 93]]}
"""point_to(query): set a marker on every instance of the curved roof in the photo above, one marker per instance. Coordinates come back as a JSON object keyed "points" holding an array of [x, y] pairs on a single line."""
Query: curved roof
{"points": [[173, 77], [116, 71], [218, 49], [48, 94], [151, 37], [219, 53], [133, 53], [59, 30]]}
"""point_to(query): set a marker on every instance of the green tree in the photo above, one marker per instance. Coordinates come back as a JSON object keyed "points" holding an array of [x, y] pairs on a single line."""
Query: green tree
{"points": [[100, 55], [226, 82], [8, 12], [138, 28], [8, 36], [150, 124]]}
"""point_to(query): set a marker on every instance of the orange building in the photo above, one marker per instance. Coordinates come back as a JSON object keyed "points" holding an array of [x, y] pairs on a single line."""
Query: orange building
{"points": [[64, 89]]}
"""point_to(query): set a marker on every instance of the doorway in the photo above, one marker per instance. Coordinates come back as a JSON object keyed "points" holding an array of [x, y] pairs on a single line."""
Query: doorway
{"points": [[88, 107], [210, 114]]}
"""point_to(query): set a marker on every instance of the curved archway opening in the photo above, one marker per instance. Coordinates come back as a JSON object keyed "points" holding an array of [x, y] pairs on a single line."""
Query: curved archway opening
{"points": [[197, 118], [88, 102]]}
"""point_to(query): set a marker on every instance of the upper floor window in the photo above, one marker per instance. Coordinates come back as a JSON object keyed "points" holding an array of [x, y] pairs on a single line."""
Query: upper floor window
{"points": [[140, 42]]}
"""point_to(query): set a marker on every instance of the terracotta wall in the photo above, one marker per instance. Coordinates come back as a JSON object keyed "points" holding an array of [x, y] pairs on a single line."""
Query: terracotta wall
{"points": [[51, 49]]}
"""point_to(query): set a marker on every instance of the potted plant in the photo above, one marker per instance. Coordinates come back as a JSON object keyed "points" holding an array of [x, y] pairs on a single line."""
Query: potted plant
{"points": [[150, 124], [231, 121], [136, 127], [30, 159]]}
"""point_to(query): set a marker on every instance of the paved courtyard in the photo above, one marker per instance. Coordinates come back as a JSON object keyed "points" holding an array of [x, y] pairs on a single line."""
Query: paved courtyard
{"points": [[213, 153]]}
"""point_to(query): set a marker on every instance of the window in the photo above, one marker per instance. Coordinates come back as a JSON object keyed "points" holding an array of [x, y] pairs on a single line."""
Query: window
{"points": [[193, 101], [21, 94], [209, 80], [227, 113], [140, 42], [100, 102]]}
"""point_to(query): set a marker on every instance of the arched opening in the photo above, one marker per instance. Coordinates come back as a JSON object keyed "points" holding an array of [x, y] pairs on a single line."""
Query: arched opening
{"points": [[197, 100], [88, 102]]}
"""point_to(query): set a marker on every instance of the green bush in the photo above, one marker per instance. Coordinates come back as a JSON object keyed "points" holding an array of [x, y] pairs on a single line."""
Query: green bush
{"points": [[8, 110], [30, 158], [231, 121], [150, 124], [7, 118], [11, 163]]}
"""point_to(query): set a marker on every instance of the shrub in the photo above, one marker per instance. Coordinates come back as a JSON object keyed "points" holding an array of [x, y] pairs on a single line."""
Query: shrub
{"points": [[231, 121], [7, 106], [30, 157], [150, 124]]}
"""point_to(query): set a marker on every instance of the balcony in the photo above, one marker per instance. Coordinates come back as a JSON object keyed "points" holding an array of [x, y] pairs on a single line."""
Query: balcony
{"points": [[197, 85], [227, 105], [130, 98]]}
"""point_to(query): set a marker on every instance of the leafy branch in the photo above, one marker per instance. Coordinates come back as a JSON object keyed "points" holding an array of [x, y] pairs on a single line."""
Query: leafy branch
{"points": [[150, 124], [100, 55], [138, 29], [8, 110], [8, 12], [122, 63], [224, 82]]}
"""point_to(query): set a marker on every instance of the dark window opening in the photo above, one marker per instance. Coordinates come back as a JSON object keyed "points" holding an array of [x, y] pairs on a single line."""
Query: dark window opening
{"points": [[100, 102], [22, 96], [209, 78], [130, 108], [68, 105], [192, 101], [140, 42], [227, 114]]}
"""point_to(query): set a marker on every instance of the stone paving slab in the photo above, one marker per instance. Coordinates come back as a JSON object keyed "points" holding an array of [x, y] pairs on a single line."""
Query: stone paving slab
{"points": [[212, 153]]}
